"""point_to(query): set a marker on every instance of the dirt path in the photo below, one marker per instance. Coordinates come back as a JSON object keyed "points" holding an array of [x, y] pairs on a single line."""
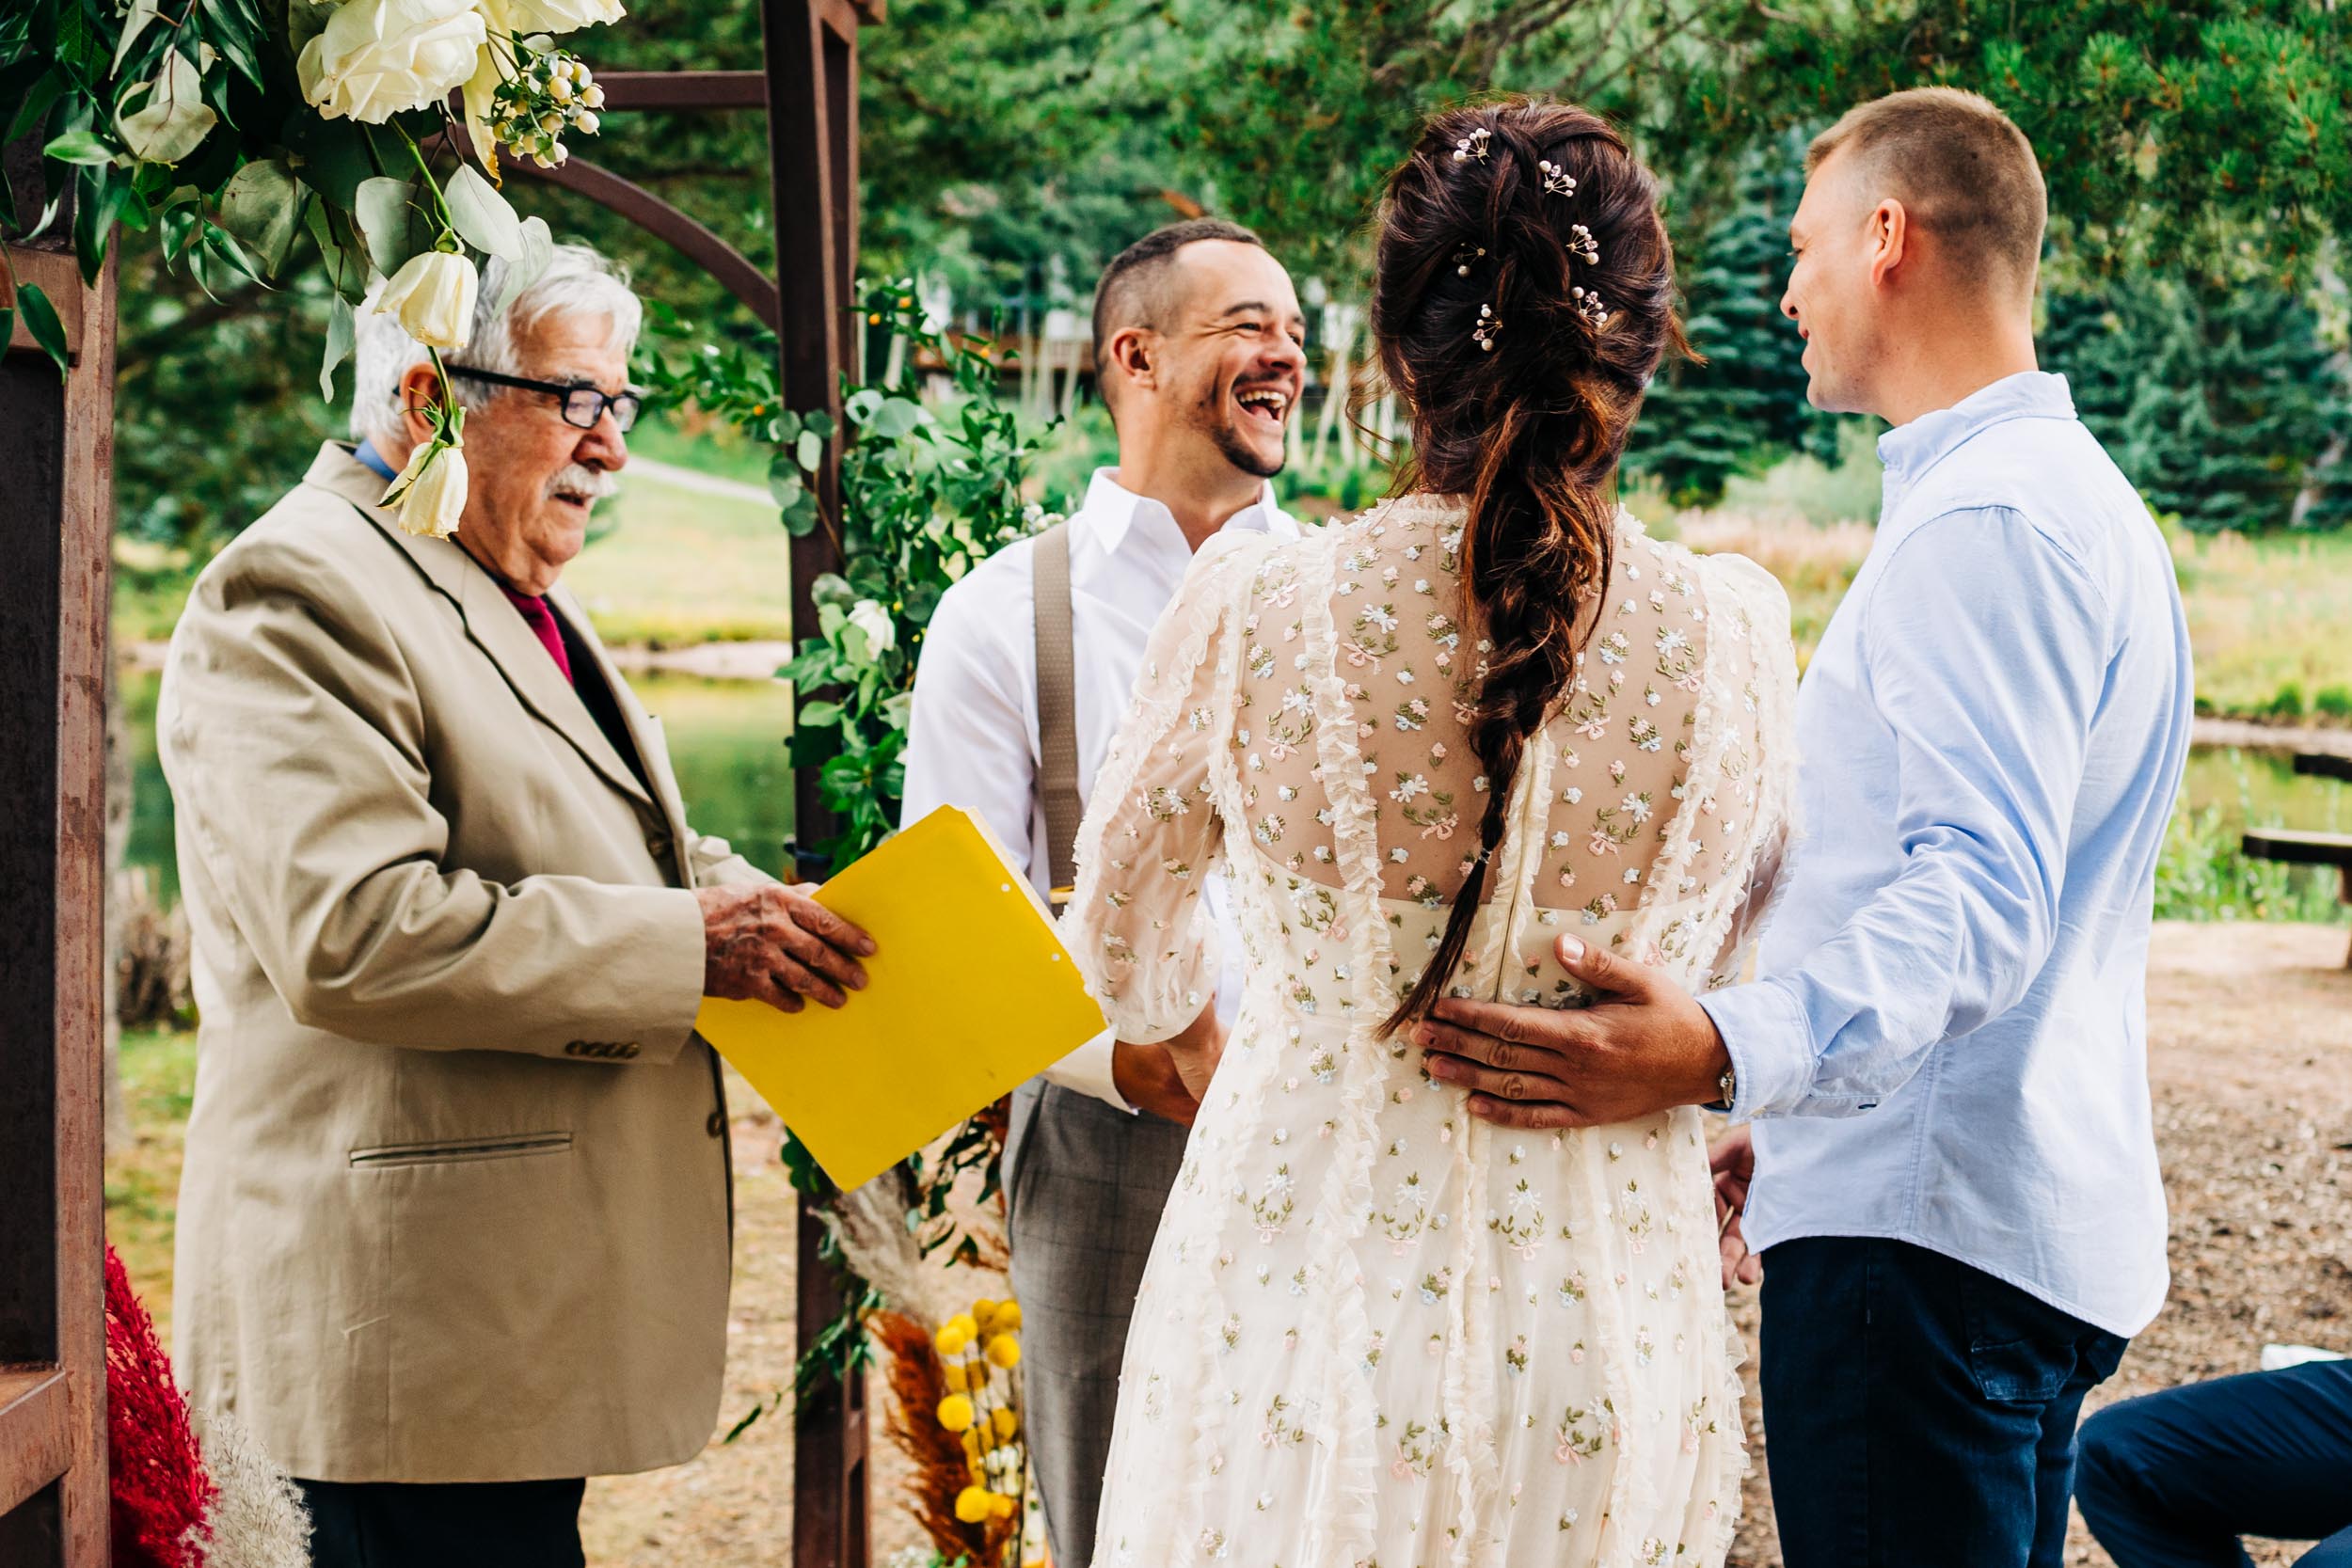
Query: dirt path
{"points": [[2251, 1038]]}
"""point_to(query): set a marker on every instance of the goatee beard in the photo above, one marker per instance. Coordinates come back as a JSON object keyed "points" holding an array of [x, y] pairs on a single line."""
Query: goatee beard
{"points": [[1245, 458]]}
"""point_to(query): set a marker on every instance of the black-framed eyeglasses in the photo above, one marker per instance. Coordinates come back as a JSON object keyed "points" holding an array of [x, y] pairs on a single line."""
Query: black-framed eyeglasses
{"points": [[582, 406]]}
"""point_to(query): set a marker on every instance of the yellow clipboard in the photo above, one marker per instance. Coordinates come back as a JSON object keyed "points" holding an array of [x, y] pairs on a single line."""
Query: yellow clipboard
{"points": [[969, 993]]}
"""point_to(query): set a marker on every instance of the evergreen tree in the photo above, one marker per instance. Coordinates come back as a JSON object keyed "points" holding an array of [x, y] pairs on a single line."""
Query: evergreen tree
{"points": [[1745, 404], [2237, 406]]}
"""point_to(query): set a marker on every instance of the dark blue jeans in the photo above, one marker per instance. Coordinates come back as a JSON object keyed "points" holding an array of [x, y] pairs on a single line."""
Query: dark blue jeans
{"points": [[2172, 1479], [1919, 1413]]}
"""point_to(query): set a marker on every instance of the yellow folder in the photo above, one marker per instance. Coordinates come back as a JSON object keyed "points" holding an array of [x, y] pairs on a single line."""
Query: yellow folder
{"points": [[969, 992]]}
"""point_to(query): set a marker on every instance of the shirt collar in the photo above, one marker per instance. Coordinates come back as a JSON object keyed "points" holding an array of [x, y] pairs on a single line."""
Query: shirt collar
{"points": [[1910, 450], [1112, 512], [365, 452]]}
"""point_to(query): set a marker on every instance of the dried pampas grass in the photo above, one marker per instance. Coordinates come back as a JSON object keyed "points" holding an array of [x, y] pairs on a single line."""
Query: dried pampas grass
{"points": [[257, 1519]]}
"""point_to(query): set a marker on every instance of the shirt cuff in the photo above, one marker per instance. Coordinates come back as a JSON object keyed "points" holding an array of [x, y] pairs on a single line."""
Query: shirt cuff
{"points": [[1770, 1044], [1088, 1070]]}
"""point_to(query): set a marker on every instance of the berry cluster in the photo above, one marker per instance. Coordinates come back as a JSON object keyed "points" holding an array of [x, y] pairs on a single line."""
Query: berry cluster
{"points": [[546, 96]]}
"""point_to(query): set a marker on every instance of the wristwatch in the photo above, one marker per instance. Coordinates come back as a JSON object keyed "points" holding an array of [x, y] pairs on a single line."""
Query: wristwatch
{"points": [[1726, 1091]]}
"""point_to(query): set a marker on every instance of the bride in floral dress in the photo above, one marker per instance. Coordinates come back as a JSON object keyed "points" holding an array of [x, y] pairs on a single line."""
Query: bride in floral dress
{"points": [[1425, 744]]}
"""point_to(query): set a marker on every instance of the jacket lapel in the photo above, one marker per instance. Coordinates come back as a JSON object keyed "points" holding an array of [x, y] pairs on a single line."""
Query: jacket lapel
{"points": [[643, 733], [492, 624]]}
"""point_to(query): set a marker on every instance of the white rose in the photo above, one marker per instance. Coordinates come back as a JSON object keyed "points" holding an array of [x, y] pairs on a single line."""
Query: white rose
{"points": [[435, 497], [433, 295], [379, 58], [561, 16], [874, 621]]}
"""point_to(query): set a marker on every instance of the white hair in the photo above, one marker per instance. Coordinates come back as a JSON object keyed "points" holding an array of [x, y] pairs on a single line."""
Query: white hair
{"points": [[577, 282]]}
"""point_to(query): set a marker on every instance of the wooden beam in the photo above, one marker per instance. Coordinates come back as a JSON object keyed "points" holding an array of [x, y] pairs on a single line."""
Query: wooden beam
{"points": [[57, 446], [61, 281], [36, 1431]]}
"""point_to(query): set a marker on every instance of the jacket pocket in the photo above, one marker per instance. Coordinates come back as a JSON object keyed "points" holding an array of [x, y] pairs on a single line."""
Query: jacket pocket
{"points": [[508, 1146]]}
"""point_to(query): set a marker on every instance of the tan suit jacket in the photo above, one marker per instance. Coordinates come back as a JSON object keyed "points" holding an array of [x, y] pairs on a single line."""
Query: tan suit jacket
{"points": [[455, 1204]]}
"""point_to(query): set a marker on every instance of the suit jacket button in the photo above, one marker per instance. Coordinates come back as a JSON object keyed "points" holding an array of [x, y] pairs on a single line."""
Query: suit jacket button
{"points": [[717, 1124]]}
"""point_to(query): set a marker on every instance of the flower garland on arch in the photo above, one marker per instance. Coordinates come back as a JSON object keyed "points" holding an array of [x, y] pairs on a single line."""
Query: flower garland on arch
{"points": [[228, 127]]}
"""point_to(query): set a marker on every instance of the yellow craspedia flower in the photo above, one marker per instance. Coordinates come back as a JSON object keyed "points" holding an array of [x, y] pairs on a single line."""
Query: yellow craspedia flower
{"points": [[1000, 1505], [1007, 1316], [984, 1314], [961, 1324], [973, 1504], [1005, 1351], [951, 1340], [955, 1413], [1006, 1422], [956, 1377]]}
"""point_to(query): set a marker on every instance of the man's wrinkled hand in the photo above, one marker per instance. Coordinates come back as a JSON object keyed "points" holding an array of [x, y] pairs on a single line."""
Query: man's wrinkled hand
{"points": [[1146, 1078], [764, 941], [1647, 1048], [1733, 1162]]}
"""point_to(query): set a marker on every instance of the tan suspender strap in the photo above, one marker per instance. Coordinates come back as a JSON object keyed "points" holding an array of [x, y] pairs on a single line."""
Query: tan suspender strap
{"points": [[1056, 710]]}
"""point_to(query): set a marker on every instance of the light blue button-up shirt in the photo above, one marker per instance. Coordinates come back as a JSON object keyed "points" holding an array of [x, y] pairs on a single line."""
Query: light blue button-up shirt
{"points": [[1948, 1044]]}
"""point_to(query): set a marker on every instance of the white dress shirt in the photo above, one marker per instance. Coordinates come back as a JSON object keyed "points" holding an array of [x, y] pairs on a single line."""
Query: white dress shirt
{"points": [[973, 736]]}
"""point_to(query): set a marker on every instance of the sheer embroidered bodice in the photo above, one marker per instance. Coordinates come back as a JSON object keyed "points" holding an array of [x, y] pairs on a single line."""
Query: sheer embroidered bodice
{"points": [[1375, 1330]]}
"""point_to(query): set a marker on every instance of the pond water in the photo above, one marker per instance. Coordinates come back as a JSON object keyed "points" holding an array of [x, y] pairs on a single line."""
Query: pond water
{"points": [[726, 744]]}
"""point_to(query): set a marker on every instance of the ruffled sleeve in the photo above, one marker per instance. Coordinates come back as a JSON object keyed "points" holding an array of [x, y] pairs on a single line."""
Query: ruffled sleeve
{"points": [[1139, 926]]}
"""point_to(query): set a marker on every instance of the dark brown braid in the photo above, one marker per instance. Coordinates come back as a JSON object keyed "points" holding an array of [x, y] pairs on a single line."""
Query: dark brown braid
{"points": [[1530, 430]]}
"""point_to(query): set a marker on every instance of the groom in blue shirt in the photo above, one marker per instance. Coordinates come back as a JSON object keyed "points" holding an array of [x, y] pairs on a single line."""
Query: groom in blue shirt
{"points": [[1953, 1184]]}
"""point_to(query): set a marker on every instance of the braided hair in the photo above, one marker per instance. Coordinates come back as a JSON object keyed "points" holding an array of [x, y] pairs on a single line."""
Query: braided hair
{"points": [[1524, 297]]}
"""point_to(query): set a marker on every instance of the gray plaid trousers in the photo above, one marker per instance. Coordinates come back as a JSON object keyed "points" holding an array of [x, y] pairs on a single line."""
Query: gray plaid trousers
{"points": [[1085, 1187]]}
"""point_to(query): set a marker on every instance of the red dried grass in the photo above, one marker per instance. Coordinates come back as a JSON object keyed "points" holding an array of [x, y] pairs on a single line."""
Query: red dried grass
{"points": [[161, 1489], [918, 1384]]}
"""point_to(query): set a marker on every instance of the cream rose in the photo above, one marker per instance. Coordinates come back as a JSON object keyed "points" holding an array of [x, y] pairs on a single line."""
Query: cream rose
{"points": [[561, 16], [874, 621], [433, 295], [379, 58], [435, 494]]}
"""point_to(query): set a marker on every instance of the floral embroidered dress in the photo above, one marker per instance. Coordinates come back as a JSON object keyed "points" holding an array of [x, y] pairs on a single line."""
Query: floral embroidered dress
{"points": [[1375, 1330]]}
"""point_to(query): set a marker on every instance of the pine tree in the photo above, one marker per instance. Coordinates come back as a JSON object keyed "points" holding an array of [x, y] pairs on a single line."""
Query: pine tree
{"points": [[2237, 405], [1745, 406]]}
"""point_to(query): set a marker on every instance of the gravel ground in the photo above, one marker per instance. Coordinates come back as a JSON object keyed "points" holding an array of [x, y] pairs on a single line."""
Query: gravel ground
{"points": [[2250, 1033]]}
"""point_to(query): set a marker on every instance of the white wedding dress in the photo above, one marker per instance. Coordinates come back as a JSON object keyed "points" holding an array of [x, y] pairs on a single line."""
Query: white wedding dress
{"points": [[1375, 1330]]}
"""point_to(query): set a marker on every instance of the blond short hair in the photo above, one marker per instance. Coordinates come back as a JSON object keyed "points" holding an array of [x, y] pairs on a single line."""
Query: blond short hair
{"points": [[1962, 169]]}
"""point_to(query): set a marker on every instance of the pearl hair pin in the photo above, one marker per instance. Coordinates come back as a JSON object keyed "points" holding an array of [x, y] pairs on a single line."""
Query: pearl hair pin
{"points": [[1588, 304], [1583, 247], [1472, 146], [1558, 180], [1489, 326], [1464, 256]]}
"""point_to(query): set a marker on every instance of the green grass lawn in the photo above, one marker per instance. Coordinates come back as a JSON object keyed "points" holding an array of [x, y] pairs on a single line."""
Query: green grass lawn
{"points": [[143, 1181]]}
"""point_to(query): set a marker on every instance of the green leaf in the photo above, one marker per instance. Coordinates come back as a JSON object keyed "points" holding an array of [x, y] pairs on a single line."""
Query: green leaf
{"points": [[7, 325], [261, 205], [809, 451], [35, 108], [815, 715], [343, 336], [381, 210], [342, 251], [41, 320], [799, 518], [79, 146], [133, 24], [174, 118], [897, 419], [783, 481], [236, 28], [332, 154], [483, 219], [538, 249], [816, 419]]}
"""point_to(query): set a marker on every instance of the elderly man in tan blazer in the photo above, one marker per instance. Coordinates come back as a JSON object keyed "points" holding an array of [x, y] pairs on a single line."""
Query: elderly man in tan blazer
{"points": [[453, 1224]]}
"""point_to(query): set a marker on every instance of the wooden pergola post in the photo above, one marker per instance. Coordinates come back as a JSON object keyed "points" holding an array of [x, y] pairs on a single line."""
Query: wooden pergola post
{"points": [[57, 522]]}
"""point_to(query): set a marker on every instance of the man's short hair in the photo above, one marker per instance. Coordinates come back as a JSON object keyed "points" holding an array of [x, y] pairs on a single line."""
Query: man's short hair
{"points": [[577, 281], [1962, 169], [1134, 289]]}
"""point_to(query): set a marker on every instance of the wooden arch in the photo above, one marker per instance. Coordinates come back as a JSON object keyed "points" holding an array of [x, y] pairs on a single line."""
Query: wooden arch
{"points": [[56, 532]]}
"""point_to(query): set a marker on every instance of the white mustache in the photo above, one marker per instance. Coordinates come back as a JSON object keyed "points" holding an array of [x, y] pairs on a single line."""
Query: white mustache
{"points": [[578, 479]]}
